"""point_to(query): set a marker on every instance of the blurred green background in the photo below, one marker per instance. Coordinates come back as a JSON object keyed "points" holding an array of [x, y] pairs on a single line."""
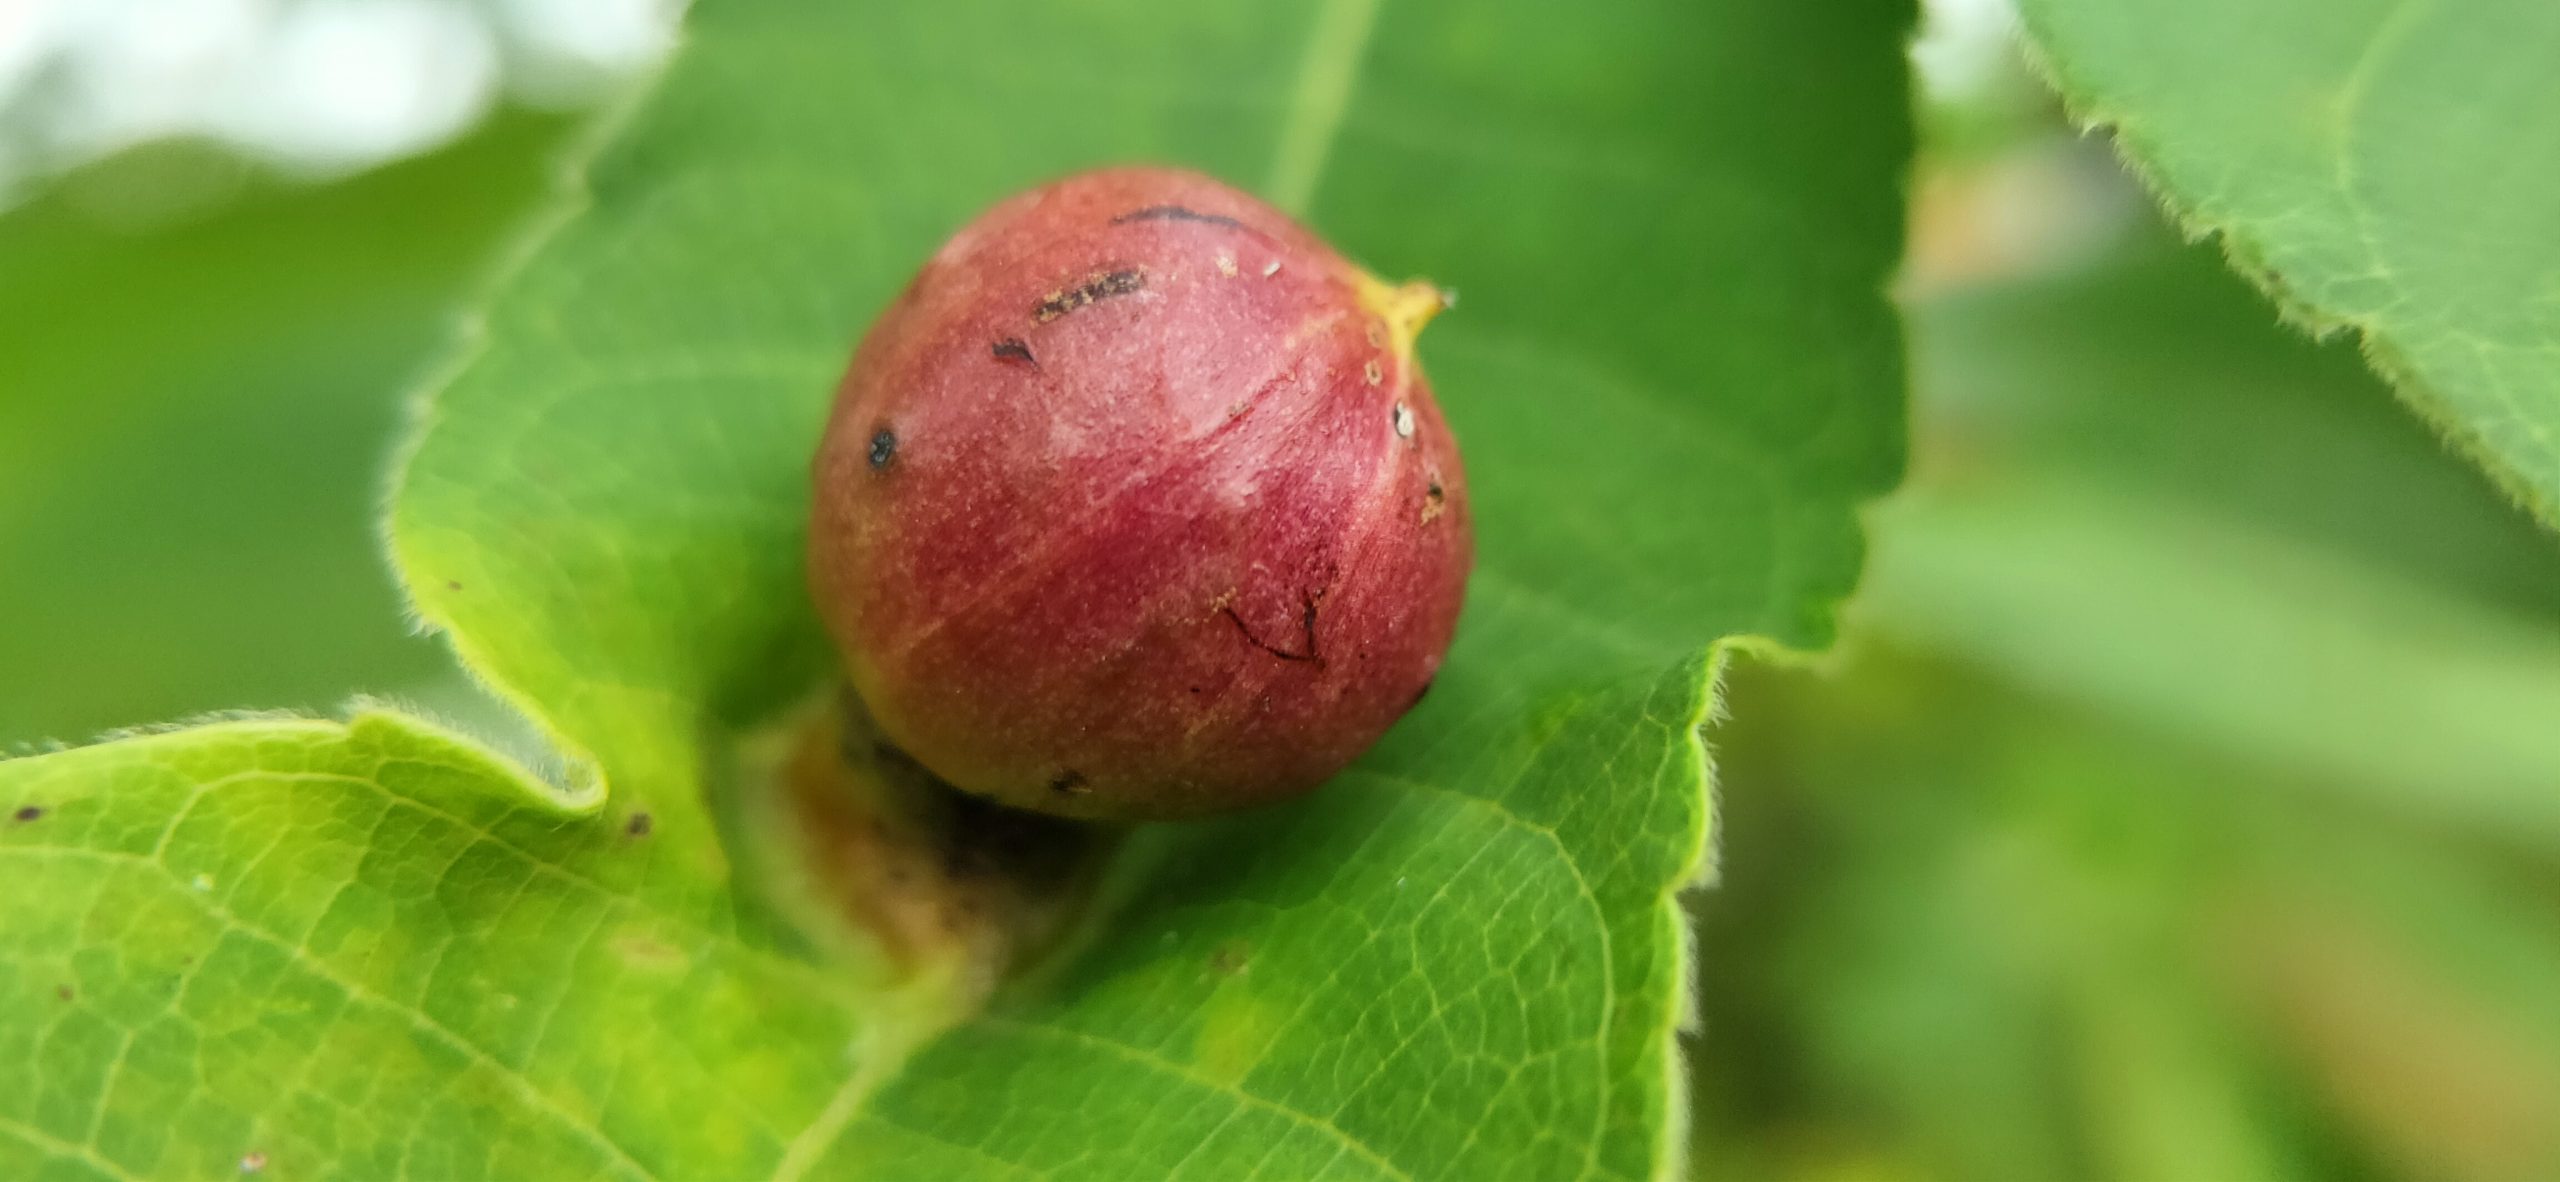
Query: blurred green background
{"points": [[2179, 805]]}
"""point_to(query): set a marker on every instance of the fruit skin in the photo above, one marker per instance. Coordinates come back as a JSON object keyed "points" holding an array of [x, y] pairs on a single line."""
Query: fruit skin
{"points": [[1135, 504]]}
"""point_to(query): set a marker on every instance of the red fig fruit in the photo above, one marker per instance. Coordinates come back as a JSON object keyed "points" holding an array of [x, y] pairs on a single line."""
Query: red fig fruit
{"points": [[1135, 504]]}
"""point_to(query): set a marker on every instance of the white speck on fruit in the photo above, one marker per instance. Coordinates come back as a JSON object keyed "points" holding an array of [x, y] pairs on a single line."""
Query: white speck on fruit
{"points": [[253, 1162], [1227, 265], [1404, 421], [1271, 268]]}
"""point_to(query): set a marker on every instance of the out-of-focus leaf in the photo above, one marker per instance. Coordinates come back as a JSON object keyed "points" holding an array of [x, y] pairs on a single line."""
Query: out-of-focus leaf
{"points": [[1675, 382], [2385, 165], [2043, 943], [2156, 373], [2210, 837], [2149, 499], [193, 425]]}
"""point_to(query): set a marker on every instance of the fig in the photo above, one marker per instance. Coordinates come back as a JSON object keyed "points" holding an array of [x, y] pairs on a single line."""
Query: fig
{"points": [[1135, 504]]}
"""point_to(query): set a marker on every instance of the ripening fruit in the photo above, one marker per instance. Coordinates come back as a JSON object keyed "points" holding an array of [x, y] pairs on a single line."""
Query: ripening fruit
{"points": [[1136, 505]]}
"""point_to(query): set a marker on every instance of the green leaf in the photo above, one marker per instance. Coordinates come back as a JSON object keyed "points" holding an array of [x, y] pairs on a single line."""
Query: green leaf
{"points": [[1675, 380], [2383, 165], [193, 421], [372, 950]]}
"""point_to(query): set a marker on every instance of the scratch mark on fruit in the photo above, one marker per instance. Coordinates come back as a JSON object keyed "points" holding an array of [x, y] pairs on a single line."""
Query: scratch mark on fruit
{"points": [[884, 447], [1306, 627], [1012, 349], [1071, 783], [1176, 213], [1404, 417], [1095, 289]]}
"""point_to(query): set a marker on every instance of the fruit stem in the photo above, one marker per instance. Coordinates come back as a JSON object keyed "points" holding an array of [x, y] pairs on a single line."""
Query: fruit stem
{"points": [[1405, 307]]}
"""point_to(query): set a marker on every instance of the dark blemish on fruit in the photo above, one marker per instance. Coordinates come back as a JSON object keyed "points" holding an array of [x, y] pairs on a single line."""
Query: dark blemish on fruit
{"points": [[639, 825], [1100, 287], [1012, 349], [1306, 625], [1424, 692], [884, 446], [1434, 500], [1176, 213], [29, 813], [1071, 783], [1230, 958]]}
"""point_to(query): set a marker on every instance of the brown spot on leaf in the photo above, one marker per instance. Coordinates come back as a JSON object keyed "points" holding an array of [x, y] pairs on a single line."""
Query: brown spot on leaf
{"points": [[648, 951], [1231, 958], [639, 825], [927, 871]]}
